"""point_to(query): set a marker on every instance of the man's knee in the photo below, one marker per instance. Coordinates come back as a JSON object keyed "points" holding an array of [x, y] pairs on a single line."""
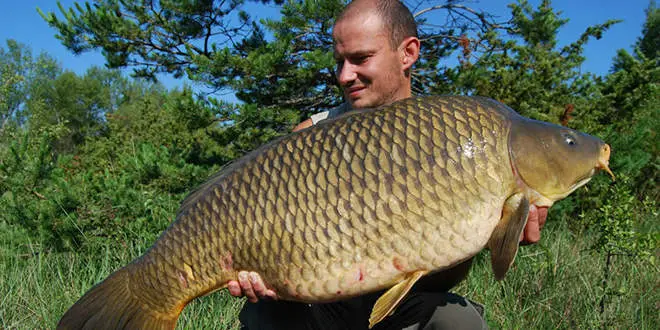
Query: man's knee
{"points": [[436, 311], [456, 312]]}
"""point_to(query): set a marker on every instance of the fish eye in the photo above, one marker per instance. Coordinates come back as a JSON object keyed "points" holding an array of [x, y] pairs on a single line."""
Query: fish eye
{"points": [[569, 139]]}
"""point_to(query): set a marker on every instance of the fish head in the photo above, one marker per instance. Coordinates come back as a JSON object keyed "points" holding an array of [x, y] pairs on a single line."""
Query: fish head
{"points": [[553, 160]]}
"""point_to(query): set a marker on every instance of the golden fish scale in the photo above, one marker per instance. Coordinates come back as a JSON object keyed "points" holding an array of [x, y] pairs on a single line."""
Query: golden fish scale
{"points": [[343, 208]]}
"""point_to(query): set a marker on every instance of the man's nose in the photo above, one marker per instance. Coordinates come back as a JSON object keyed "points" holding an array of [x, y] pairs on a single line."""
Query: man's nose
{"points": [[346, 73]]}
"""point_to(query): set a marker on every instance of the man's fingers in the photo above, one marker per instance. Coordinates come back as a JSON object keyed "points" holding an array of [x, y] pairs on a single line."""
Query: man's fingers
{"points": [[257, 284], [532, 232], [270, 294], [234, 289], [246, 286], [260, 288], [543, 215], [251, 286]]}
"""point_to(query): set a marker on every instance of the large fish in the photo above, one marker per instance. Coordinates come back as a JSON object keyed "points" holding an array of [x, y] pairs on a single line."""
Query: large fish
{"points": [[371, 200]]}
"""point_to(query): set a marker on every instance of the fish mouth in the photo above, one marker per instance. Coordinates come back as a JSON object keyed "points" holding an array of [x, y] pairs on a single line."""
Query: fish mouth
{"points": [[582, 181], [601, 165], [604, 160]]}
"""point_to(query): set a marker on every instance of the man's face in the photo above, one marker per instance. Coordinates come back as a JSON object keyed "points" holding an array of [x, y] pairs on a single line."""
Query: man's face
{"points": [[369, 70]]}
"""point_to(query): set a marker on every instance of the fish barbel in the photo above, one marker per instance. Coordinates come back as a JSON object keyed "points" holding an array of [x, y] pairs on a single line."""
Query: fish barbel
{"points": [[371, 200]]}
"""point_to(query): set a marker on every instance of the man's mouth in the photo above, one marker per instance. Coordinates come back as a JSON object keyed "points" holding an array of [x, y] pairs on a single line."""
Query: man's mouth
{"points": [[354, 92]]}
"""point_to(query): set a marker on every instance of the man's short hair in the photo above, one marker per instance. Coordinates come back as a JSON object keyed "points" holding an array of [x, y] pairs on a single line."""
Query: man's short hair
{"points": [[398, 19], [395, 16]]}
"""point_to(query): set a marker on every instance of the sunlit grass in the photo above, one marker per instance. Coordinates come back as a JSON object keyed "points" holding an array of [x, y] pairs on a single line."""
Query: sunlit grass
{"points": [[37, 288], [554, 284], [557, 284]]}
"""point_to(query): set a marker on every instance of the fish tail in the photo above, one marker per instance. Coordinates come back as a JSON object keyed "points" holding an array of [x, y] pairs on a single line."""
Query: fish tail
{"points": [[111, 305]]}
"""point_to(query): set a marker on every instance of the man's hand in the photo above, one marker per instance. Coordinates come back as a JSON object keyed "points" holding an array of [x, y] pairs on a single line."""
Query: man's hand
{"points": [[535, 222], [250, 285]]}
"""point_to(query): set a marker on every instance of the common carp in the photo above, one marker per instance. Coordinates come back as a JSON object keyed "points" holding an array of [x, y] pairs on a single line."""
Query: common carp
{"points": [[371, 200]]}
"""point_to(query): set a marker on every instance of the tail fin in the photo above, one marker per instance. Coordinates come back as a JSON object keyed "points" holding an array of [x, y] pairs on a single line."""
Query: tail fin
{"points": [[111, 305]]}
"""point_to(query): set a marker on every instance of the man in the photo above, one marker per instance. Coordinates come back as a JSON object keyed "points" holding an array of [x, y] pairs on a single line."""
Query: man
{"points": [[375, 46]]}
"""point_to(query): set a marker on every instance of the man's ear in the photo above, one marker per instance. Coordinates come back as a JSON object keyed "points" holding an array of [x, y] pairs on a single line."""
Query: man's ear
{"points": [[409, 49]]}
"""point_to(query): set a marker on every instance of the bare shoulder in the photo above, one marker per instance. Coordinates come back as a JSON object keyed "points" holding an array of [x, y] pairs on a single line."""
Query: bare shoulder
{"points": [[318, 117], [304, 124]]}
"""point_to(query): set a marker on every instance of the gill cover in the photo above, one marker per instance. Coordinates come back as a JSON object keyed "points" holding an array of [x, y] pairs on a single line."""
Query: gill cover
{"points": [[554, 160]]}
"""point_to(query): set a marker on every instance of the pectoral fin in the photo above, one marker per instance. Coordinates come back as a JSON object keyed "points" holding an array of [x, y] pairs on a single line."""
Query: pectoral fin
{"points": [[505, 238], [386, 304]]}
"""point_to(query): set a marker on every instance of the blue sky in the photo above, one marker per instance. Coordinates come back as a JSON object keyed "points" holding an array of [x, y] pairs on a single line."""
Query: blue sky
{"points": [[19, 20]]}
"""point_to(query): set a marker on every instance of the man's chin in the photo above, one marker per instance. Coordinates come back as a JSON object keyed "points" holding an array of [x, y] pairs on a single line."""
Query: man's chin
{"points": [[361, 103]]}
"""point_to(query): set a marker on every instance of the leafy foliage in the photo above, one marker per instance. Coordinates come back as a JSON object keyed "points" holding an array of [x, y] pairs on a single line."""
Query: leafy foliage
{"points": [[158, 36], [527, 71], [648, 43], [22, 76], [97, 161]]}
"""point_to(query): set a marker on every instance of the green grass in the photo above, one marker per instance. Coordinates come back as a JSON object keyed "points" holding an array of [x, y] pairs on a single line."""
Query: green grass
{"points": [[556, 284]]}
